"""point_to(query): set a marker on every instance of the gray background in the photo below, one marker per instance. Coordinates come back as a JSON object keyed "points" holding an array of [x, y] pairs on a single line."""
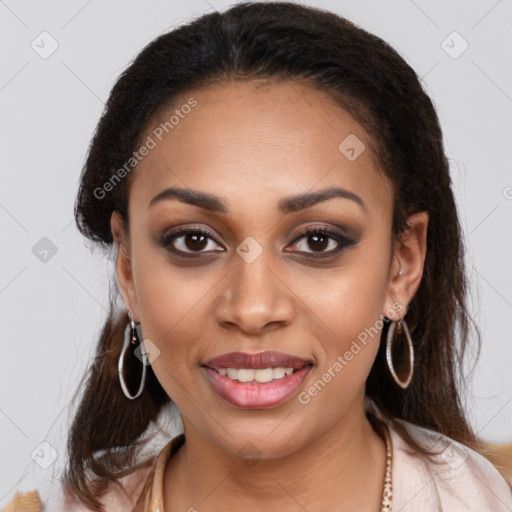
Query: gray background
{"points": [[52, 305]]}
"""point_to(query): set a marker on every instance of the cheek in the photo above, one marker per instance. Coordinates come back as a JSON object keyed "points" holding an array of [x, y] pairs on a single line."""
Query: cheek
{"points": [[349, 298], [173, 305], [349, 306]]}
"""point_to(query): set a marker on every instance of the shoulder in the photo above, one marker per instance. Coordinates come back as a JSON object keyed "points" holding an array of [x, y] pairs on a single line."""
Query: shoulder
{"points": [[119, 498], [25, 502], [130, 492], [458, 478]]}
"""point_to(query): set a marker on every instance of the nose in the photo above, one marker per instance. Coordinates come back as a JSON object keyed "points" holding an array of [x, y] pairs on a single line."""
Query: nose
{"points": [[255, 297]]}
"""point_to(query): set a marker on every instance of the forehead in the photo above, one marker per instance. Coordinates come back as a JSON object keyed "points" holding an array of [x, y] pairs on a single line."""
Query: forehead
{"points": [[254, 141]]}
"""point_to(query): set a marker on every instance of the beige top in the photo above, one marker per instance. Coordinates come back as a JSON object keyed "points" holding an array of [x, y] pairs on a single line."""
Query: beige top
{"points": [[462, 480]]}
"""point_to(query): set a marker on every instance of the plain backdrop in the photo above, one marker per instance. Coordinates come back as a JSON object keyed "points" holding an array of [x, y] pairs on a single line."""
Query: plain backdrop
{"points": [[53, 303]]}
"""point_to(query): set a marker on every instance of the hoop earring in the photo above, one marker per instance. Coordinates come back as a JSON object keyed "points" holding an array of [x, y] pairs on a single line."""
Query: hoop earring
{"points": [[130, 335], [402, 382]]}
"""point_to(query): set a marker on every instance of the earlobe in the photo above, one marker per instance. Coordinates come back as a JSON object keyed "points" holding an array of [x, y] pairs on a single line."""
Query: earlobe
{"points": [[408, 260], [123, 262]]}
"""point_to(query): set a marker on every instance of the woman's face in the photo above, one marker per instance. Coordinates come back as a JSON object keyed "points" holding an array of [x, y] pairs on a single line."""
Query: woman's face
{"points": [[246, 279]]}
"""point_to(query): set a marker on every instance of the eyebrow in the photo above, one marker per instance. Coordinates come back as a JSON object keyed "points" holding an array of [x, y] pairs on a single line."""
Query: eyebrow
{"points": [[289, 204]]}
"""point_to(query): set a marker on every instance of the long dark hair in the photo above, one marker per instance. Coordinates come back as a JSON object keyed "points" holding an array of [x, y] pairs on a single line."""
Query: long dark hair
{"points": [[365, 76]]}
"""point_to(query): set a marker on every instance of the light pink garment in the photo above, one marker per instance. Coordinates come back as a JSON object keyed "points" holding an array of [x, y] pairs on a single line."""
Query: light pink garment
{"points": [[457, 480], [463, 481]]}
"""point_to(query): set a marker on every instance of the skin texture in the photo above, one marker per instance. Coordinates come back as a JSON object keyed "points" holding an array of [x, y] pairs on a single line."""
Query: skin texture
{"points": [[253, 144]]}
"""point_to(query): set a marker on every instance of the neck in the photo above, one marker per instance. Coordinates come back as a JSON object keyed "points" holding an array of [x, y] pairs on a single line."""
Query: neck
{"points": [[341, 470]]}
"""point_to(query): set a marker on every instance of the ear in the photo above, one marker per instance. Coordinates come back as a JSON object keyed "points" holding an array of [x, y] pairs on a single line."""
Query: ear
{"points": [[406, 269], [123, 263]]}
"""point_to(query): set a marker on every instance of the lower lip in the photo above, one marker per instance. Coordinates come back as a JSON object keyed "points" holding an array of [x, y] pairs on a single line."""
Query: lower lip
{"points": [[256, 395]]}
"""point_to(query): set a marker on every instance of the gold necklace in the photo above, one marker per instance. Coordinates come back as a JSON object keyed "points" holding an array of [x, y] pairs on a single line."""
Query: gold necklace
{"points": [[387, 493]]}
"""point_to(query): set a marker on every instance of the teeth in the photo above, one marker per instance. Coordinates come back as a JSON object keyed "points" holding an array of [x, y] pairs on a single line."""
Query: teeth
{"points": [[246, 375], [260, 375], [232, 373], [279, 373]]}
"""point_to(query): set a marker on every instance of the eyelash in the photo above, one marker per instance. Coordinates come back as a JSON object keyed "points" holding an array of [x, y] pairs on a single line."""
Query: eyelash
{"points": [[342, 240]]}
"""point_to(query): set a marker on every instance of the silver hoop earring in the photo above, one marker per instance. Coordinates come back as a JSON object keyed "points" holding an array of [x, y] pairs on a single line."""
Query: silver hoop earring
{"points": [[398, 374], [130, 336]]}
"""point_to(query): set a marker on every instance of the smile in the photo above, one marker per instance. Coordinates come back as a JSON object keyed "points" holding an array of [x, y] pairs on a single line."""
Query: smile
{"points": [[256, 381], [259, 375]]}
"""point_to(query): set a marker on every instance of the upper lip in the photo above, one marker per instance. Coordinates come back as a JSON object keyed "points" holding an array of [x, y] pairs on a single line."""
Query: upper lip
{"points": [[267, 359]]}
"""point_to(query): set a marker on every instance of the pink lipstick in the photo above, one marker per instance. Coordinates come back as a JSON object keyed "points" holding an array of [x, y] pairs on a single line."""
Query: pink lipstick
{"points": [[256, 381]]}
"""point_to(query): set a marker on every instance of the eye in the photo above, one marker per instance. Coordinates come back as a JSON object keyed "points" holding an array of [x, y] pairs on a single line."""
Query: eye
{"points": [[191, 240], [320, 239]]}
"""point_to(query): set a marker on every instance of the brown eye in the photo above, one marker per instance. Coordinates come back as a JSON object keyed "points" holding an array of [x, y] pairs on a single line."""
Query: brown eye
{"points": [[318, 240], [196, 241], [189, 241]]}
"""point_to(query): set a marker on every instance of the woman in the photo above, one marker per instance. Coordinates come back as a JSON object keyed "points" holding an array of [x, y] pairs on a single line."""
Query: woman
{"points": [[289, 255]]}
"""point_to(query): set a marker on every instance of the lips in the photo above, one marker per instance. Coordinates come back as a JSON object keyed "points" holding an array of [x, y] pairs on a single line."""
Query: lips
{"points": [[268, 359], [256, 381]]}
